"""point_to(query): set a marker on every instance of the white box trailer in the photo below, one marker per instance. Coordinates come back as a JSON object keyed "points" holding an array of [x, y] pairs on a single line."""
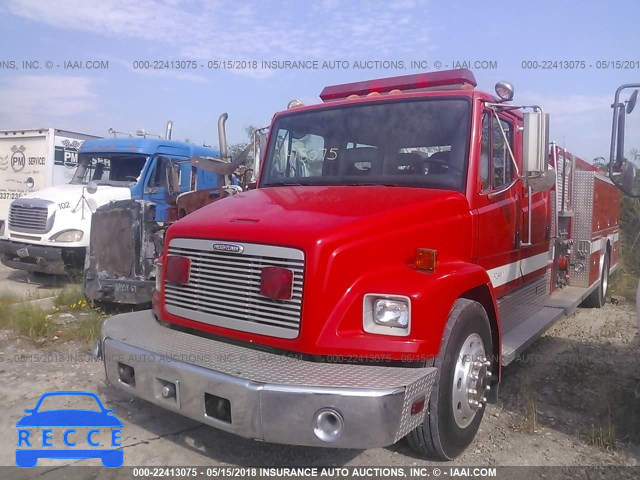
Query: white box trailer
{"points": [[33, 159]]}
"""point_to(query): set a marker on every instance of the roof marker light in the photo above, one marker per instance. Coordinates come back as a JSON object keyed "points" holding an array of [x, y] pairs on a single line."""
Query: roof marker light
{"points": [[461, 78]]}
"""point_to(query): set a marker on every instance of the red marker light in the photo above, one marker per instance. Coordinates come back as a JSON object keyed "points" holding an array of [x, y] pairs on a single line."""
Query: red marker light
{"points": [[443, 80], [418, 406], [178, 269], [276, 283]]}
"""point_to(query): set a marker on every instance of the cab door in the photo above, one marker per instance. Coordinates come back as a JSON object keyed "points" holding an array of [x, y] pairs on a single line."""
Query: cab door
{"points": [[157, 189], [499, 204]]}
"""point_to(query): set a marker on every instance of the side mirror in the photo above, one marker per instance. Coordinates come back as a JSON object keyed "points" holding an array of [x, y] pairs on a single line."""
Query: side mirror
{"points": [[622, 113], [621, 170], [535, 142], [631, 103], [173, 178], [628, 176], [543, 182]]}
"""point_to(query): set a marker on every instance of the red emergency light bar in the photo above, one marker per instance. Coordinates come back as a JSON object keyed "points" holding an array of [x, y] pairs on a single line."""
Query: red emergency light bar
{"points": [[460, 78]]}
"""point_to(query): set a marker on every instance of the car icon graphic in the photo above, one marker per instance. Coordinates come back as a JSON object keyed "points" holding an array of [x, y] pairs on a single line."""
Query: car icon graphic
{"points": [[68, 419]]}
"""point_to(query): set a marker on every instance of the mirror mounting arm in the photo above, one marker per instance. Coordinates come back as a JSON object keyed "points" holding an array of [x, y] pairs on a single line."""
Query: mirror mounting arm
{"points": [[506, 142], [507, 187]]}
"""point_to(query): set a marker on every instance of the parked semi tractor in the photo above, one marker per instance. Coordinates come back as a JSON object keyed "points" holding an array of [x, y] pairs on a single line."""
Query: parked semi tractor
{"points": [[49, 230], [120, 264], [408, 238], [34, 159], [623, 171]]}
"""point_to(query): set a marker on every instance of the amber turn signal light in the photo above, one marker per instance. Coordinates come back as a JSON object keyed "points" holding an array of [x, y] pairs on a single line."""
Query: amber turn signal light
{"points": [[426, 259]]}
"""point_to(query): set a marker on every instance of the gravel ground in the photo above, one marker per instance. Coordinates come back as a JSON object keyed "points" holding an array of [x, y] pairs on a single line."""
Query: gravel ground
{"points": [[30, 285], [569, 401]]}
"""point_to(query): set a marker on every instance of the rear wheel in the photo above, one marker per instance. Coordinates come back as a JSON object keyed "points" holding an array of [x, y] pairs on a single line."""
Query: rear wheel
{"points": [[457, 400], [598, 297]]}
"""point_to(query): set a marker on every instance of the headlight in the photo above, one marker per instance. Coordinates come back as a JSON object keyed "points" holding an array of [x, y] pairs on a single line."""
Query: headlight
{"points": [[67, 236], [391, 313], [387, 314]]}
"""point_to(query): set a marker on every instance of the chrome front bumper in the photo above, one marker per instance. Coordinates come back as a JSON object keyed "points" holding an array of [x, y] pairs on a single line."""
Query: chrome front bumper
{"points": [[271, 397]]}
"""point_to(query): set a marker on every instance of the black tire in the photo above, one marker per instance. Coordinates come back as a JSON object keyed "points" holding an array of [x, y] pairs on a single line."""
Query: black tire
{"points": [[598, 297], [440, 437]]}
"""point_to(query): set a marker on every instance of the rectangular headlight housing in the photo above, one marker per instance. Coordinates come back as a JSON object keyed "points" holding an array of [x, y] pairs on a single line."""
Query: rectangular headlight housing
{"points": [[387, 314]]}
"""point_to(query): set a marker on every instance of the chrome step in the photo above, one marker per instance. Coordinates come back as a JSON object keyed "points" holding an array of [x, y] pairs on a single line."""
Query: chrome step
{"points": [[561, 303]]}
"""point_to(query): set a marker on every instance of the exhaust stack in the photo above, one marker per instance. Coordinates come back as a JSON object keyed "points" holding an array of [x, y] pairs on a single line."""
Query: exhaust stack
{"points": [[222, 136], [169, 129]]}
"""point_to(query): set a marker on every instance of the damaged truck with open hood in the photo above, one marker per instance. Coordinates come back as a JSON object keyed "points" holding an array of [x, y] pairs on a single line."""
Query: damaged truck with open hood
{"points": [[128, 234]]}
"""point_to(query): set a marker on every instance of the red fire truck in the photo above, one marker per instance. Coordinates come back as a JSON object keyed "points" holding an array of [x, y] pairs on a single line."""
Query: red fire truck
{"points": [[410, 236]]}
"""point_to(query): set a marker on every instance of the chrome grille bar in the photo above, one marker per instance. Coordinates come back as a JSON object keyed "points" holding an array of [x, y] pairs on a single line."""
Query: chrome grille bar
{"points": [[28, 219]]}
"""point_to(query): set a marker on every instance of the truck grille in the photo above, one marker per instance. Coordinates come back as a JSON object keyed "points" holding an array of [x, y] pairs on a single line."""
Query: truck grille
{"points": [[24, 218], [224, 287], [112, 252]]}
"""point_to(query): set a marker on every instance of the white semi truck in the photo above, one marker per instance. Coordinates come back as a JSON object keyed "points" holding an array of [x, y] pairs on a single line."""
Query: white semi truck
{"points": [[34, 159]]}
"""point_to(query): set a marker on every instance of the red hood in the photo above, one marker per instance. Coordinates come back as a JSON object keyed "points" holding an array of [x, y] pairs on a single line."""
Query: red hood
{"points": [[301, 216], [355, 240]]}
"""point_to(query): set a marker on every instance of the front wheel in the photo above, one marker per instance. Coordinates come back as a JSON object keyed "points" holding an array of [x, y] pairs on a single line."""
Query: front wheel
{"points": [[457, 401]]}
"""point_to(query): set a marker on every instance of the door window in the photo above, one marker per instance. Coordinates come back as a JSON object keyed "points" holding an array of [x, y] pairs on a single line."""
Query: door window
{"points": [[502, 164], [496, 166]]}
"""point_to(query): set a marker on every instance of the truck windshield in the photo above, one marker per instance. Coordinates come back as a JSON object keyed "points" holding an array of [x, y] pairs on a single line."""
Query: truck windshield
{"points": [[108, 168], [421, 143]]}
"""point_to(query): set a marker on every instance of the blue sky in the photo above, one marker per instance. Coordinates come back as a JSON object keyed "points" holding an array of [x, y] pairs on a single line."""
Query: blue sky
{"points": [[91, 101]]}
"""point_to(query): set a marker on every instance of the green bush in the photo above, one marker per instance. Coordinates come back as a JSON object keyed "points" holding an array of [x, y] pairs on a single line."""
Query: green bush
{"points": [[626, 281]]}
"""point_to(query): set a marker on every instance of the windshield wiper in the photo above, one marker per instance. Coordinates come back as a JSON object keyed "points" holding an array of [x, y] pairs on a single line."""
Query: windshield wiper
{"points": [[360, 184], [284, 184]]}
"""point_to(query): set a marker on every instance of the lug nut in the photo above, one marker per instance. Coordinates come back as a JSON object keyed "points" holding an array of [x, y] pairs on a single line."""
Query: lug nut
{"points": [[472, 391]]}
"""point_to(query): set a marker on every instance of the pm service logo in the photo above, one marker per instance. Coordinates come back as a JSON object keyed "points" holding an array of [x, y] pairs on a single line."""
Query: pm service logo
{"points": [[69, 433]]}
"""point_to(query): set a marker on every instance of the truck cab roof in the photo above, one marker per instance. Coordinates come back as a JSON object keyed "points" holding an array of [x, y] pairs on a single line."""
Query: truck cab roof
{"points": [[397, 97], [147, 146]]}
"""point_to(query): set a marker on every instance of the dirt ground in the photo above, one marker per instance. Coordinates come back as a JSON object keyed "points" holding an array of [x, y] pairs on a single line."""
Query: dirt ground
{"points": [[571, 400], [29, 285]]}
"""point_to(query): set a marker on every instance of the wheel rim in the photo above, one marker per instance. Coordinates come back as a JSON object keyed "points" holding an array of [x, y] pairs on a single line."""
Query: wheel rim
{"points": [[470, 381]]}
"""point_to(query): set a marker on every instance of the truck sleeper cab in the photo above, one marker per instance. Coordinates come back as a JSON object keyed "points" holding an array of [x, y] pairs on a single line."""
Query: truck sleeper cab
{"points": [[401, 247]]}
